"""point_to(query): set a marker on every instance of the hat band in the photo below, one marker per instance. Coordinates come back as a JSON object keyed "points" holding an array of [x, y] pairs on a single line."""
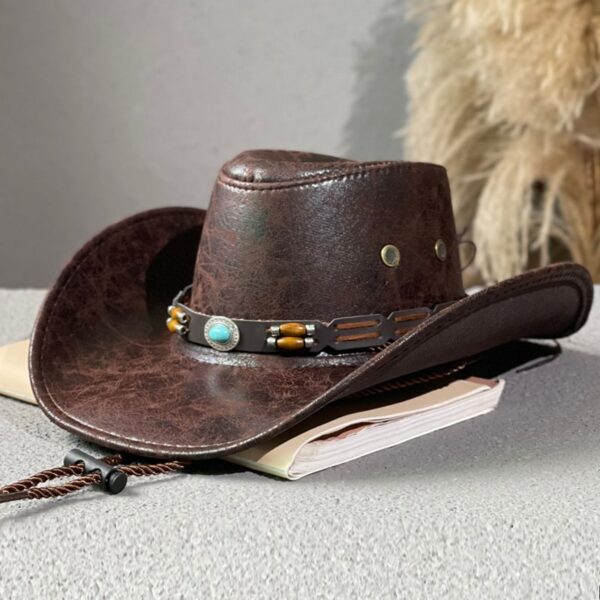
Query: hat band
{"points": [[277, 336]]}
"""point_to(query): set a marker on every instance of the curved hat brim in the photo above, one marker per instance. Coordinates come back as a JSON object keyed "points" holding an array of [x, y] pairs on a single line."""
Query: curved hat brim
{"points": [[104, 367]]}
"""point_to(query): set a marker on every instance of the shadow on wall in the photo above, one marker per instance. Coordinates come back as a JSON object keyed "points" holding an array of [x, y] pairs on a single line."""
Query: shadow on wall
{"points": [[379, 107]]}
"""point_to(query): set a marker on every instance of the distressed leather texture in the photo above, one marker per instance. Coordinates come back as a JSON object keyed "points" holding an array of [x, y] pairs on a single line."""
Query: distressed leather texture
{"points": [[289, 240], [287, 235]]}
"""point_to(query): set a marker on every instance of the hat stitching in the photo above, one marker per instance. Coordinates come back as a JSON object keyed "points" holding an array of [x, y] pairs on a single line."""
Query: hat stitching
{"points": [[349, 174]]}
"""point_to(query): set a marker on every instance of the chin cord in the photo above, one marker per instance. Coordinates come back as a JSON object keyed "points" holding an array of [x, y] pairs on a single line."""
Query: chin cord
{"points": [[107, 473]]}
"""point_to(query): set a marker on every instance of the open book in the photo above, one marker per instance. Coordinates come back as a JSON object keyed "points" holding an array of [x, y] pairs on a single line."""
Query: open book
{"points": [[340, 432]]}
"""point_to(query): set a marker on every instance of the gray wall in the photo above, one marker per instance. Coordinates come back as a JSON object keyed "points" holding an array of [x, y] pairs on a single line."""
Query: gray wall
{"points": [[108, 108]]}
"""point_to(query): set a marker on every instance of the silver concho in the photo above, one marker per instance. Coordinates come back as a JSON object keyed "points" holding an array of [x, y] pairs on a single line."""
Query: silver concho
{"points": [[214, 333]]}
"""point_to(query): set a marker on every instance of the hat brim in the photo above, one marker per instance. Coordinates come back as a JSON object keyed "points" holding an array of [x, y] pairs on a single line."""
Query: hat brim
{"points": [[104, 367]]}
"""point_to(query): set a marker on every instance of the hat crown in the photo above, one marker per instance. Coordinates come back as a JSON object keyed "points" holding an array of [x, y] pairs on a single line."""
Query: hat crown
{"points": [[295, 235]]}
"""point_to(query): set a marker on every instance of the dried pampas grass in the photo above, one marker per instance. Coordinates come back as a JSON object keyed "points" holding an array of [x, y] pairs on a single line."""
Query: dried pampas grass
{"points": [[505, 94]]}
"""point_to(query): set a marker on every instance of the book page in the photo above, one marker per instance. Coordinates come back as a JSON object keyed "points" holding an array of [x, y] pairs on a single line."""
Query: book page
{"points": [[277, 455]]}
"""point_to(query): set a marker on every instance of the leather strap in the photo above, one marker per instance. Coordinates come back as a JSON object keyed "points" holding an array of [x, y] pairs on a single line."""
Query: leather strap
{"points": [[260, 336]]}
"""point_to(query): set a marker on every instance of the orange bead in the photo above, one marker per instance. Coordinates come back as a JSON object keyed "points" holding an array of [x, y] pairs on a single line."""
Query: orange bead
{"points": [[175, 312], [290, 343], [293, 329], [172, 325]]}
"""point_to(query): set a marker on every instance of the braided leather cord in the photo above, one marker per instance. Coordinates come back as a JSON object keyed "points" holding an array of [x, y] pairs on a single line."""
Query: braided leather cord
{"points": [[27, 489]]}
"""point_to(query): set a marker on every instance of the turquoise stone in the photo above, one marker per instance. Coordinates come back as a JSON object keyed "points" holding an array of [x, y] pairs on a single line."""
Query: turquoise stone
{"points": [[219, 333]]}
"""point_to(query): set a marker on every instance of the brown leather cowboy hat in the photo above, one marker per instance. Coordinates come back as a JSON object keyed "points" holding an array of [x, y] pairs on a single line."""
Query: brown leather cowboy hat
{"points": [[310, 278]]}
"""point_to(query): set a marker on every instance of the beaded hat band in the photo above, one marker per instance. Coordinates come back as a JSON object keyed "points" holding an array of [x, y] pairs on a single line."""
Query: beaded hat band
{"points": [[340, 335]]}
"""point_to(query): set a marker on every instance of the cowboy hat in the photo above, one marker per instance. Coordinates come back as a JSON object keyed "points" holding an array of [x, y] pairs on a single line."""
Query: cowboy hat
{"points": [[309, 279]]}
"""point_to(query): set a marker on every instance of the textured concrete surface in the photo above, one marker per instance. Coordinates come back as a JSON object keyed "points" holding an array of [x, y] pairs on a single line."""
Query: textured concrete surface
{"points": [[504, 506]]}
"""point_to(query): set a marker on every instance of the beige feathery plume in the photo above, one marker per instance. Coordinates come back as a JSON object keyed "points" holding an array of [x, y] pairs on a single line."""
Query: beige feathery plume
{"points": [[504, 93]]}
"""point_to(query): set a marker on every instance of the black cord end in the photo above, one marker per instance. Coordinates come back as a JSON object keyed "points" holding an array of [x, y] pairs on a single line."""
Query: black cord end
{"points": [[112, 479]]}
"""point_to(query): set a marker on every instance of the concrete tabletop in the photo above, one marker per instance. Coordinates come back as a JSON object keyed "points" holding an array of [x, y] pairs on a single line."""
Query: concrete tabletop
{"points": [[505, 505]]}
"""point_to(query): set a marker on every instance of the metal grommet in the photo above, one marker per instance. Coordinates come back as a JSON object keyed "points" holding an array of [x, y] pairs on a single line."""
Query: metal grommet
{"points": [[390, 255], [441, 251]]}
